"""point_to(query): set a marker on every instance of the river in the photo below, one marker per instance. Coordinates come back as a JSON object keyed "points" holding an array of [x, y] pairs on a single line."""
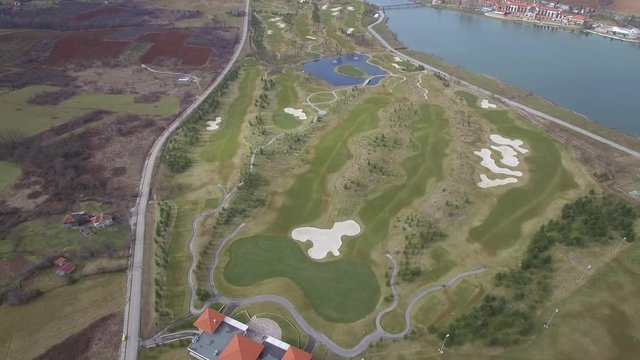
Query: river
{"points": [[590, 74]]}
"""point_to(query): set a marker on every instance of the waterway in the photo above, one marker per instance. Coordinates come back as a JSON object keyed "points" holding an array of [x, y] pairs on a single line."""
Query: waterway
{"points": [[326, 69], [590, 74]]}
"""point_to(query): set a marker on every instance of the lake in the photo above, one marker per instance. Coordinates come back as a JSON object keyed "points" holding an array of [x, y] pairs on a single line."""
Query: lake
{"points": [[325, 69], [590, 74]]}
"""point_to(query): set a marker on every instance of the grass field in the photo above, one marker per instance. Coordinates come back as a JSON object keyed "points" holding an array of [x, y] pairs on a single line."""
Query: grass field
{"points": [[24, 118], [223, 144], [350, 70], [286, 96], [9, 173], [341, 291], [547, 180], [27, 331]]}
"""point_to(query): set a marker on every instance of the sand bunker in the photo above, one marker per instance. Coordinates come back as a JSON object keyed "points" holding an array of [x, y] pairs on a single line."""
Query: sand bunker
{"points": [[337, 8], [335, 13], [310, 37], [324, 7], [396, 59], [508, 155], [281, 25], [214, 125], [516, 144], [490, 164], [396, 66], [274, 19], [485, 104], [326, 241], [350, 30], [350, 8], [299, 113], [488, 183]]}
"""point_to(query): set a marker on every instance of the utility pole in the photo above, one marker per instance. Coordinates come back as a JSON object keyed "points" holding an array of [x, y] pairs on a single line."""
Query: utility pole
{"points": [[546, 326], [583, 273], [441, 349]]}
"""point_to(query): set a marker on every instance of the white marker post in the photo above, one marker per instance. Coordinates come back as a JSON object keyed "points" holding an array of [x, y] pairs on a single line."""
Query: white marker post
{"points": [[441, 350], [618, 247], [546, 326], [584, 273]]}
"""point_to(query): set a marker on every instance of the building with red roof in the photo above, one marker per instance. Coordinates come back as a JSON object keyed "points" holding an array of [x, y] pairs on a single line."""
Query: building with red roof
{"points": [[293, 353], [241, 348], [66, 269], [209, 321]]}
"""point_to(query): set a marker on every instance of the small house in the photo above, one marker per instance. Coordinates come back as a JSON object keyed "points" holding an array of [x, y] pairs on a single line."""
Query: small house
{"points": [[76, 219], [59, 261], [66, 269]]}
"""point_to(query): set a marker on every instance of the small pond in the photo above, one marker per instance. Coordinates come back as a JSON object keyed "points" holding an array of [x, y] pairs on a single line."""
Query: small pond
{"points": [[325, 69]]}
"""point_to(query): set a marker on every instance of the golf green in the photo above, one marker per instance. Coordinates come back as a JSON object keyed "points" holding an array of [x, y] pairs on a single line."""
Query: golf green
{"points": [[340, 291]]}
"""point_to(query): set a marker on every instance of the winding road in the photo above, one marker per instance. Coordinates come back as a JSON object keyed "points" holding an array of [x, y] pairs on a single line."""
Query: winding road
{"points": [[133, 303], [501, 98]]}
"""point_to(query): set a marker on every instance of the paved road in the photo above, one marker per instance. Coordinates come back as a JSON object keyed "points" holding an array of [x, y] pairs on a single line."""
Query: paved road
{"points": [[133, 304], [501, 98]]}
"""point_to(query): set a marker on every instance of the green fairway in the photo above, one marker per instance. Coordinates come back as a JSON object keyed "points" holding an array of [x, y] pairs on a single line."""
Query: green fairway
{"points": [[224, 143], [350, 70], [307, 197], [28, 119], [429, 131], [341, 291], [9, 172], [286, 96], [547, 179], [302, 26]]}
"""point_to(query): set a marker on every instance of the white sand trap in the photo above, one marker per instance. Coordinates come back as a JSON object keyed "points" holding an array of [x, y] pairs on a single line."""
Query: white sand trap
{"points": [[281, 25], [485, 104], [337, 8], [214, 125], [396, 59], [324, 7], [396, 66], [516, 144], [326, 240], [274, 19], [508, 155], [310, 37], [299, 113], [335, 13], [350, 30], [269, 32], [490, 164], [350, 8], [488, 183]]}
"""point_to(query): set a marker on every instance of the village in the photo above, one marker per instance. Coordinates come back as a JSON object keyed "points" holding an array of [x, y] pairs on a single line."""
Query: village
{"points": [[549, 13]]}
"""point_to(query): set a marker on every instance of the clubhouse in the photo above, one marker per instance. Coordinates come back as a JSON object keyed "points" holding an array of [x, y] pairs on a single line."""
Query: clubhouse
{"points": [[224, 338]]}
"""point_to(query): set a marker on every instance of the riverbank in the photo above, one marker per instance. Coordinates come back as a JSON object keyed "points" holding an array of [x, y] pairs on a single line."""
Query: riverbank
{"points": [[495, 87]]}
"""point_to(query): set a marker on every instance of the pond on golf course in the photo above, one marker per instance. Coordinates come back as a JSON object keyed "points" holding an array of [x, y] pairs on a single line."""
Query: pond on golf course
{"points": [[326, 69]]}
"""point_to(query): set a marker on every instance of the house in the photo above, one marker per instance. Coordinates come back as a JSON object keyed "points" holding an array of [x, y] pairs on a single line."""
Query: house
{"points": [[76, 219], [66, 269], [59, 261], [101, 221], [224, 338]]}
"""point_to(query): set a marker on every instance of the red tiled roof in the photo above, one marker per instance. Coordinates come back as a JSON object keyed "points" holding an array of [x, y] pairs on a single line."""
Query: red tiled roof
{"points": [[69, 220], [241, 348], [67, 268], [59, 261], [209, 321], [293, 353]]}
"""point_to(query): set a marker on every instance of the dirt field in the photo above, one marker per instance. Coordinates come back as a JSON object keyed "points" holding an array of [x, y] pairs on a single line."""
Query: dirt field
{"points": [[84, 45], [172, 45]]}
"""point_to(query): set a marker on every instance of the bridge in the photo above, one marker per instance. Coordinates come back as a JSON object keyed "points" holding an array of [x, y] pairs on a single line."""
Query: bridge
{"points": [[403, 6]]}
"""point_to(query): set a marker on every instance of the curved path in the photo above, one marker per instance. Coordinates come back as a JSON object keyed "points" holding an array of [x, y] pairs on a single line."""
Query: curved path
{"points": [[501, 98], [133, 303]]}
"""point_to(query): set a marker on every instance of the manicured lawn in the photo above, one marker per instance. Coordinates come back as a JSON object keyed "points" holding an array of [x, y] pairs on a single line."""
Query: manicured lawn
{"points": [[340, 291], [28, 119], [548, 179], [223, 144], [286, 96], [302, 25], [350, 70], [27, 331], [307, 198], [9, 172]]}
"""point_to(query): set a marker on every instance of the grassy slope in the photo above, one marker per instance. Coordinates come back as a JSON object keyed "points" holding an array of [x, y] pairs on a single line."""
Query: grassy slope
{"points": [[9, 172], [547, 179], [29, 330], [28, 119]]}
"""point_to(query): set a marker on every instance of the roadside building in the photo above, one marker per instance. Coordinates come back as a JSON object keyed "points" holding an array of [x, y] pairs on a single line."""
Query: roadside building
{"points": [[66, 269], [59, 261], [76, 219]]}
